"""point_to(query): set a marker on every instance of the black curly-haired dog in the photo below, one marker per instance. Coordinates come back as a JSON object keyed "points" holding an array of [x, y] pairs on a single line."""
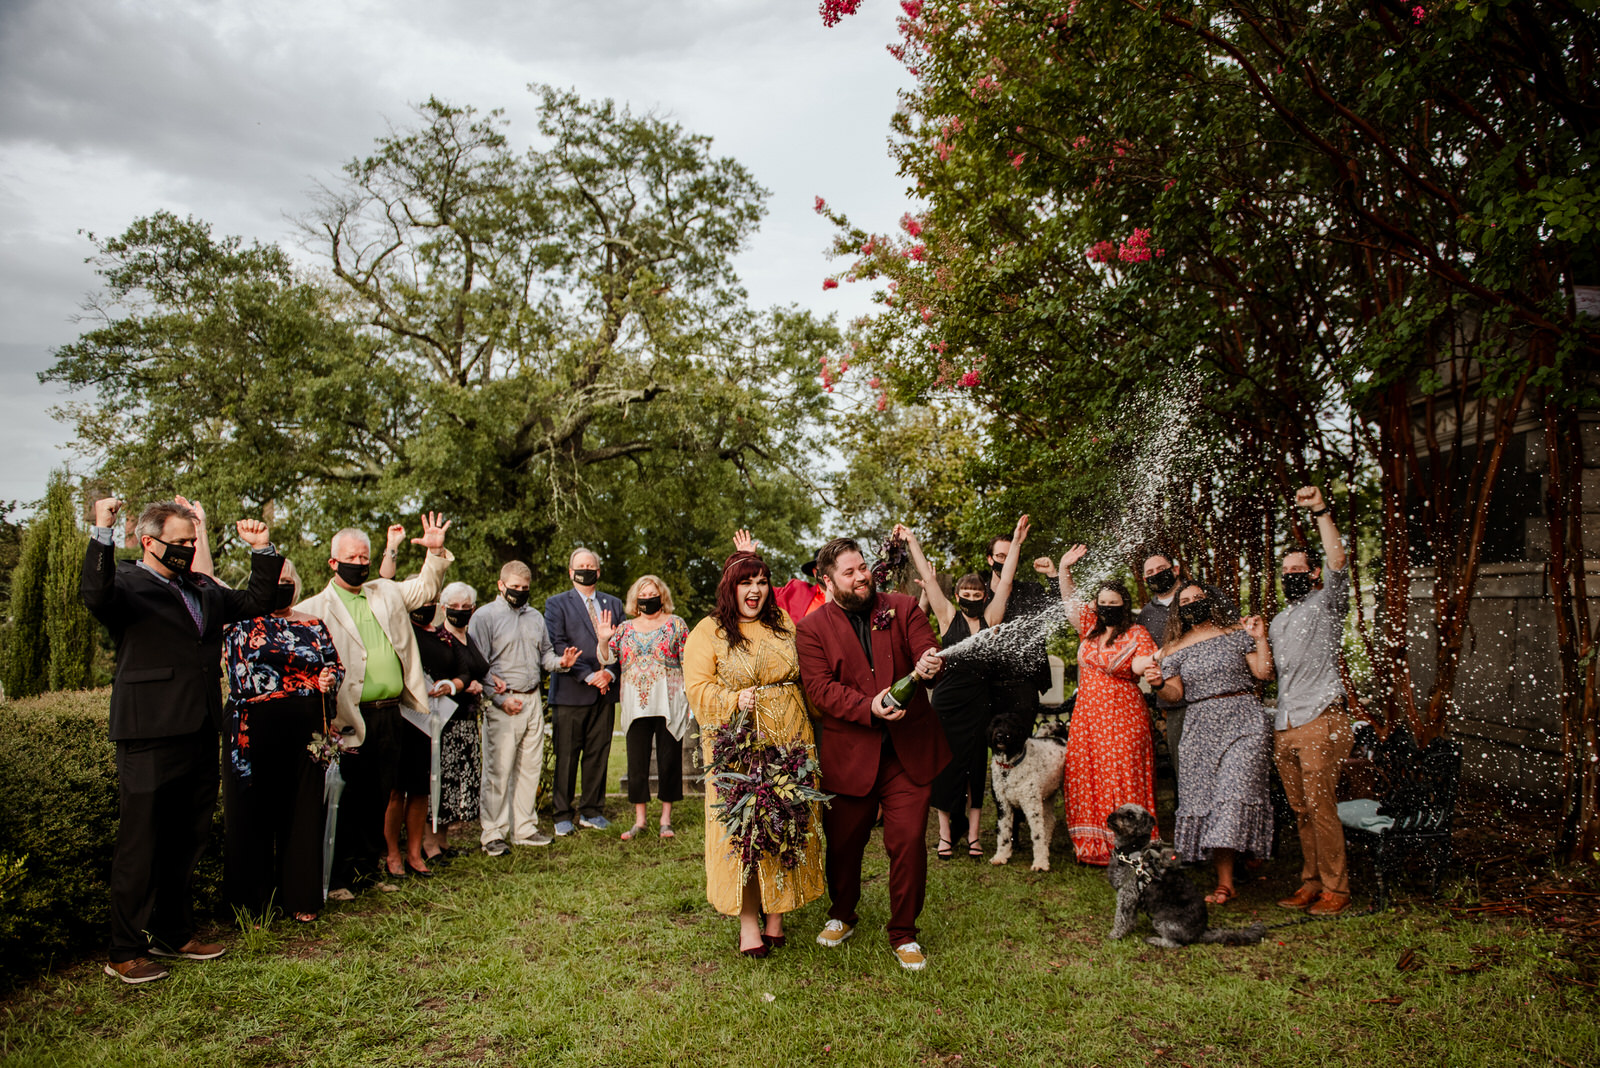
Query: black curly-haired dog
{"points": [[1148, 877]]}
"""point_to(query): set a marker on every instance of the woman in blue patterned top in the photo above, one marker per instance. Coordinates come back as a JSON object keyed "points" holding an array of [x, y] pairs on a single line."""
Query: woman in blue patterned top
{"points": [[282, 669]]}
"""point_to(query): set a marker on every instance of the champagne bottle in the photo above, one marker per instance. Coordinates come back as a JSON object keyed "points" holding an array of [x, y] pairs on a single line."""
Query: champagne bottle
{"points": [[900, 693]]}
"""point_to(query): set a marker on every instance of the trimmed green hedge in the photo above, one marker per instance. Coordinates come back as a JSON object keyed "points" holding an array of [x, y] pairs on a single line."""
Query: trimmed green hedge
{"points": [[58, 789]]}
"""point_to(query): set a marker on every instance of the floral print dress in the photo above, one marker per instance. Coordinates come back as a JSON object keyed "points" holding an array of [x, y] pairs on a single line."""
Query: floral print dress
{"points": [[271, 658], [652, 674], [1110, 759]]}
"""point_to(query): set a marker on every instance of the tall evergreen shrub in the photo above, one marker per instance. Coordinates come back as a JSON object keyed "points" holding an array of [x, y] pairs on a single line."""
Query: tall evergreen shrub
{"points": [[27, 653], [68, 626]]}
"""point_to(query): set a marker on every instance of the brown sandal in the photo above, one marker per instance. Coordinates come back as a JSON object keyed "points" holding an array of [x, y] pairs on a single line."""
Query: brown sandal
{"points": [[1221, 895]]}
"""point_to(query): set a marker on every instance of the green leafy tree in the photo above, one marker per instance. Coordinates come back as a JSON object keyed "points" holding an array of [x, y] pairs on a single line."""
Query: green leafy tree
{"points": [[27, 660], [68, 627]]}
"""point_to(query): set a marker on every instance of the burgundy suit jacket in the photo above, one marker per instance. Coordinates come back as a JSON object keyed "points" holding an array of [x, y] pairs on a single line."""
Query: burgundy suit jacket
{"points": [[840, 684]]}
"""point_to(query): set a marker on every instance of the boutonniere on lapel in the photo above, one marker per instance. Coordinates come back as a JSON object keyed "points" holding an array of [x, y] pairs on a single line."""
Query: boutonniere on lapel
{"points": [[881, 618]]}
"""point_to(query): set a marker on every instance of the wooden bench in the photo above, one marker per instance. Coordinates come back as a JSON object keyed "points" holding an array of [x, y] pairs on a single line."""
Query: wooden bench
{"points": [[1415, 809]]}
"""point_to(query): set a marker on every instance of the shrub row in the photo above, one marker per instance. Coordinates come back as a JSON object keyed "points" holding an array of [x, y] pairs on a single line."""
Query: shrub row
{"points": [[58, 820]]}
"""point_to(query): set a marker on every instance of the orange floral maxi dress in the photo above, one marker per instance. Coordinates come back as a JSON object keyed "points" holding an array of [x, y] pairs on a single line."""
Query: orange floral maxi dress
{"points": [[1110, 760], [713, 675]]}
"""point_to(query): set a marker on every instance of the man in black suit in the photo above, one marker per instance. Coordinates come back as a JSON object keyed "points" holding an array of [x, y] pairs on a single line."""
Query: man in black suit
{"points": [[166, 718], [583, 697]]}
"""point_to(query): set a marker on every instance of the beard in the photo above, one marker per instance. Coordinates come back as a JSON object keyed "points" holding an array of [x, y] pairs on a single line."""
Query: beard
{"points": [[853, 600]]}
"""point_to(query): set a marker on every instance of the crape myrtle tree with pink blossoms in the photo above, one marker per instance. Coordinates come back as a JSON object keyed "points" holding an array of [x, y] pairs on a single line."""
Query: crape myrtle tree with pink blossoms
{"points": [[549, 344], [1347, 236]]}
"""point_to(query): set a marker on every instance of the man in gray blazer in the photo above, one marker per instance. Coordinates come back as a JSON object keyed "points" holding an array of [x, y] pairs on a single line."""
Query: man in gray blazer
{"points": [[583, 696]]}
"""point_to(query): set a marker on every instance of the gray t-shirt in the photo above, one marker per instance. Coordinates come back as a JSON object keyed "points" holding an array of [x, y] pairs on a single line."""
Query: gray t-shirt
{"points": [[1305, 641]]}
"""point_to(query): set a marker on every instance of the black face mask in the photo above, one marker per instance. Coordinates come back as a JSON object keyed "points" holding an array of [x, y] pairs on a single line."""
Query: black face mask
{"points": [[458, 617], [175, 558], [972, 606], [424, 615], [1195, 612], [1297, 585], [284, 597], [649, 606], [354, 575], [998, 566], [585, 576], [1112, 615], [1161, 581], [516, 598]]}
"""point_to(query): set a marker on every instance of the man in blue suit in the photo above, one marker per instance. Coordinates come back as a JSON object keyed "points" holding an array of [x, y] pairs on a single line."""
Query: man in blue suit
{"points": [[583, 697]]}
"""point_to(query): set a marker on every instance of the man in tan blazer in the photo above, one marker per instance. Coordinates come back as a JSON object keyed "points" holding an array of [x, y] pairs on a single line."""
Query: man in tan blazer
{"points": [[369, 619]]}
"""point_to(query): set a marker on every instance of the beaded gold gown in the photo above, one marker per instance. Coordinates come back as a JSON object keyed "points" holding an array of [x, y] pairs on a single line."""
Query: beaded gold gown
{"points": [[713, 675]]}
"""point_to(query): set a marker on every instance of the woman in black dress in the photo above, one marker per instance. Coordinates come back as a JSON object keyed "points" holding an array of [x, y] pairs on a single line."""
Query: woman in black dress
{"points": [[282, 668], [961, 698], [444, 661], [460, 750]]}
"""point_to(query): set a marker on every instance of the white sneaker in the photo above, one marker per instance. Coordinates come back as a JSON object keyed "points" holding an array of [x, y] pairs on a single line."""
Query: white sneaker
{"points": [[834, 932], [911, 957]]}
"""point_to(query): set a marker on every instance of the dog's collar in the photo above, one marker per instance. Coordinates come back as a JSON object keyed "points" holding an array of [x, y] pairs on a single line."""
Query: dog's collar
{"points": [[1003, 766], [1142, 877]]}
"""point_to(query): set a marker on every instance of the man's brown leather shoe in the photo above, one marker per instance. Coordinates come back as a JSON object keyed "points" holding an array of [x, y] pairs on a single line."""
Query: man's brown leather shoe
{"points": [[190, 950], [137, 970], [1329, 904], [1301, 897]]}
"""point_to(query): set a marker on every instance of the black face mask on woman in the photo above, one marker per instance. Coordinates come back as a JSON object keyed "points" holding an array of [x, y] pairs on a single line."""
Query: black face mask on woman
{"points": [[1112, 615], [1161, 582], [972, 606], [284, 597], [649, 606], [353, 574], [175, 558], [1195, 612], [1297, 585], [458, 617], [424, 615]]}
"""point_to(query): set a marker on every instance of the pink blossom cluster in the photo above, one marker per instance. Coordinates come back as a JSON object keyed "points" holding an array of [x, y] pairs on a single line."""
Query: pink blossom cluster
{"points": [[985, 88], [1103, 252], [968, 379], [1018, 159], [918, 253], [912, 8], [830, 283], [911, 224], [1137, 248], [1418, 13], [833, 11], [821, 206]]}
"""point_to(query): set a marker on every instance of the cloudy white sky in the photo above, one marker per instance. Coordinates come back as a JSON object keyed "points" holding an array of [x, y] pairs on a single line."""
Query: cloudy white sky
{"points": [[231, 111]]}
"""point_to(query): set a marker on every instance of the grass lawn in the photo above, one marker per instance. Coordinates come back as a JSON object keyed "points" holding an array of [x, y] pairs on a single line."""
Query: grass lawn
{"points": [[598, 952]]}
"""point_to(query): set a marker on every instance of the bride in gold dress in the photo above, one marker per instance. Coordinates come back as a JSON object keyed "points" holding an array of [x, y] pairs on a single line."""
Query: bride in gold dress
{"points": [[742, 658]]}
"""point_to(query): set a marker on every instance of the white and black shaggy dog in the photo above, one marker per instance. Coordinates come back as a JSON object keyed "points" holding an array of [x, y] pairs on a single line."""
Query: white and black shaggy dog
{"points": [[1148, 877], [1027, 772]]}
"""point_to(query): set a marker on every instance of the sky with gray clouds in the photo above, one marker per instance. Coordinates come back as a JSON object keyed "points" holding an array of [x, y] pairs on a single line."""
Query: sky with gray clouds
{"points": [[232, 111]]}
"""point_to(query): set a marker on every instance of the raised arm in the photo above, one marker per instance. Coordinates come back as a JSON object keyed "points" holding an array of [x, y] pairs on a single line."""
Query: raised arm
{"points": [[391, 552], [1333, 554], [424, 589], [1259, 658], [97, 586], [996, 611], [943, 610], [257, 598], [203, 563], [1069, 588]]}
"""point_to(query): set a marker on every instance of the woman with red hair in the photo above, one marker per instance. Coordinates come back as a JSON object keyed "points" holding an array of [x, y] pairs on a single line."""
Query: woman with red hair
{"points": [[741, 661]]}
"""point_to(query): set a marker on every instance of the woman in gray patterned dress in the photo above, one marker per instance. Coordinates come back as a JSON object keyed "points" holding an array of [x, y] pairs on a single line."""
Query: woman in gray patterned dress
{"points": [[1215, 662]]}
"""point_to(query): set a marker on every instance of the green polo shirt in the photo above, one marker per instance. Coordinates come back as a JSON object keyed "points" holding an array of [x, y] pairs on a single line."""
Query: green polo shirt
{"points": [[385, 677]]}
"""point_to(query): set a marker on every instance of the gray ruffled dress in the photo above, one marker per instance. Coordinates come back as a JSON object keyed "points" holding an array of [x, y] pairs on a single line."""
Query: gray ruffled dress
{"points": [[1223, 757]]}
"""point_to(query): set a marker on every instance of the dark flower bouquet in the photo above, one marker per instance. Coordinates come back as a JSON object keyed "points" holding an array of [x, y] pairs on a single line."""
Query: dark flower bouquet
{"points": [[766, 791], [893, 556]]}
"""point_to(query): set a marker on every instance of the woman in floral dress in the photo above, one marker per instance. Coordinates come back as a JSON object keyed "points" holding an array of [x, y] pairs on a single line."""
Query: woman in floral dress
{"points": [[280, 667], [1215, 664], [1110, 759], [651, 700], [742, 659]]}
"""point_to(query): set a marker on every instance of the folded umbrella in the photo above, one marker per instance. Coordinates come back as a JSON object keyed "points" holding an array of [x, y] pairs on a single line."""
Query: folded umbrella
{"points": [[440, 709]]}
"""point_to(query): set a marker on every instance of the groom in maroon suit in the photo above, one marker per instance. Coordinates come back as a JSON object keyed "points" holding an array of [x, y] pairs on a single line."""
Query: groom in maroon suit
{"points": [[873, 754]]}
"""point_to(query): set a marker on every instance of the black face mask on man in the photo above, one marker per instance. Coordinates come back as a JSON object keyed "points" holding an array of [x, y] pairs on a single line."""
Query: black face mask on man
{"points": [[458, 617], [353, 574], [175, 558], [284, 597], [514, 597], [585, 576], [1161, 582], [1195, 612], [649, 606], [997, 565], [423, 616], [1296, 585]]}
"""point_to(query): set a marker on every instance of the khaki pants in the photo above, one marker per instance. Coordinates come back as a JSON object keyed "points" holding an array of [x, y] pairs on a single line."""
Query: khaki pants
{"points": [[1308, 762], [513, 760]]}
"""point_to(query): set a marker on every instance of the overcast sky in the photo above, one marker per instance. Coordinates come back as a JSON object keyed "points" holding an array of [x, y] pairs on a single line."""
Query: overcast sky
{"points": [[230, 111]]}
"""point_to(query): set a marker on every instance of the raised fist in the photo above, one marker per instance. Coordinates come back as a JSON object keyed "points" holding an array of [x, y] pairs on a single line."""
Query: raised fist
{"points": [[105, 511], [1309, 497], [253, 532]]}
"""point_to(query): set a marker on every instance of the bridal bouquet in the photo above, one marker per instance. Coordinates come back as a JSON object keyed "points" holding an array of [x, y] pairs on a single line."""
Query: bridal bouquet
{"points": [[893, 556], [766, 792]]}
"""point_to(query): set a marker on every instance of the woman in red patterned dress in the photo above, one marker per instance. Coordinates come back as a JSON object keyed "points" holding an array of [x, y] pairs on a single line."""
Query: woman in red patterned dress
{"points": [[1110, 760]]}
